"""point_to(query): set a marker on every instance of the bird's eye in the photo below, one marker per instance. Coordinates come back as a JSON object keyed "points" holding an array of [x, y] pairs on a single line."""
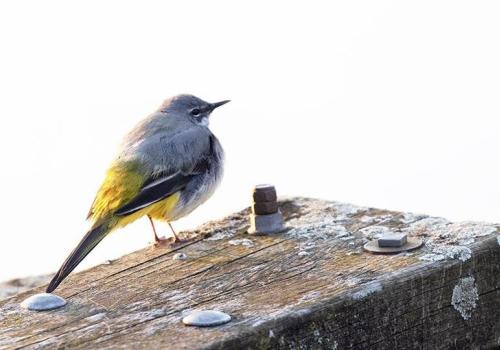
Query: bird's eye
{"points": [[195, 112]]}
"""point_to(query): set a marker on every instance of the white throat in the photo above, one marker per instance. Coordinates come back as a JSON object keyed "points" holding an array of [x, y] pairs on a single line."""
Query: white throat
{"points": [[204, 121]]}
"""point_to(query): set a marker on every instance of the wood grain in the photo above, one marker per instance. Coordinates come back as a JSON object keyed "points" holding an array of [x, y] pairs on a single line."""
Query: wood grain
{"points": [[311, 287]]}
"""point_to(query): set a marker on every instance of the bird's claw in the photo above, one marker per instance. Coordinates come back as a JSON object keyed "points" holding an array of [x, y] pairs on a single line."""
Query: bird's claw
{"points": [[170, 242], [163, 242]]}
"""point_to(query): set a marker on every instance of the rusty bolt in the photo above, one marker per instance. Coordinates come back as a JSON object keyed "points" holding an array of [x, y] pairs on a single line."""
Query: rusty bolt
{"points": [[265, 217], [264, 200]]}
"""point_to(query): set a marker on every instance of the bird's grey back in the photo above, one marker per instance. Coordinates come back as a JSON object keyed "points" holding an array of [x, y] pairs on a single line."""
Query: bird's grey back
{"points": [[166, 142]]}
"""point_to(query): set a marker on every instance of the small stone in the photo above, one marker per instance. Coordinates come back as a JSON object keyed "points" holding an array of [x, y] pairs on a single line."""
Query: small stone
{"points": [[392, 240], [206, 318], [43, 301], [179, 256]]}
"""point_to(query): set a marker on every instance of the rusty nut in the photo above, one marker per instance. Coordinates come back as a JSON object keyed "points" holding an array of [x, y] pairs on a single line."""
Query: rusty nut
{"points": [[264, 208], [264, 193]]}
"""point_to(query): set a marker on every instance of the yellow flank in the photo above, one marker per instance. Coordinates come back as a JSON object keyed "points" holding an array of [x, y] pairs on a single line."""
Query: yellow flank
{"points": [[159, 211], [122, 183]]}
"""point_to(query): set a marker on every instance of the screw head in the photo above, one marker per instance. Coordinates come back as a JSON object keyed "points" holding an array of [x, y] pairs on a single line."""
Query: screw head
{"points": [[206, 318], [43, 301]]}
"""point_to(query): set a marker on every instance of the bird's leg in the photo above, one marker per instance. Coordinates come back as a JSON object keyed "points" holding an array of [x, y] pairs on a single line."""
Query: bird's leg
{"points": [[157, 239], [165, 241], [161, 241], [176, 238]]}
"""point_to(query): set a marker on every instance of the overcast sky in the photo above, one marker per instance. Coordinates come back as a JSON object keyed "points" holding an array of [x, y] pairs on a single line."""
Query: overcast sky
{"points": [[391, 104]]}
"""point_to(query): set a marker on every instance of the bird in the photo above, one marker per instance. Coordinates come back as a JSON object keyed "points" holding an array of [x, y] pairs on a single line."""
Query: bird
{"points": [[167, 165]]}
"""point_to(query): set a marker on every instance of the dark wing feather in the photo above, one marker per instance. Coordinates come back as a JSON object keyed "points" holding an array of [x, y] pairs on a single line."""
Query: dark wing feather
{"points": [[154, 190]]}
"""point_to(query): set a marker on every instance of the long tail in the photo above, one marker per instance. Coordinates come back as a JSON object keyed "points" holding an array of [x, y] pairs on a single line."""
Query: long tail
{"points": [[89, 241]]}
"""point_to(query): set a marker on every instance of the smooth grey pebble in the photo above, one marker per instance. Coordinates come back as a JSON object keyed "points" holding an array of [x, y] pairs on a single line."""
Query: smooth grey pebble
{"points": [[180, 256], [43, 301], [206, 318]]}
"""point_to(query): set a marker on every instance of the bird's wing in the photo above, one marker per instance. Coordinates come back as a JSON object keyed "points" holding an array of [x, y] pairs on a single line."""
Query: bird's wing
{"points": [[154, 191], [162, 185], [127, 190]]}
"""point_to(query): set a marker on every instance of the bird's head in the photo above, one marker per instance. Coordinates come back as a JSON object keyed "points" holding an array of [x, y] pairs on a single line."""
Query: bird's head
{"points": [[191, 107]]}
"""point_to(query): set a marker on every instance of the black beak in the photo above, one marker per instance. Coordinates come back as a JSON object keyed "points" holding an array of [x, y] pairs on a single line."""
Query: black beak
{"points": [[218, 104]]}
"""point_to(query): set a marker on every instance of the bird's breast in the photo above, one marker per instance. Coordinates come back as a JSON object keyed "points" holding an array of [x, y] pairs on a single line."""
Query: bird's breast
{"points": [[202, 186]]}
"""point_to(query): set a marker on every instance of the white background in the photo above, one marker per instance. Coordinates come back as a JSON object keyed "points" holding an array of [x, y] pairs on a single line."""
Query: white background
{"points": [[391, 104]]}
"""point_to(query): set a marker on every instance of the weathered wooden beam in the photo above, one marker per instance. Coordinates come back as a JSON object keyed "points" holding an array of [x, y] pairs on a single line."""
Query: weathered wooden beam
{"points": [[311, 287]]}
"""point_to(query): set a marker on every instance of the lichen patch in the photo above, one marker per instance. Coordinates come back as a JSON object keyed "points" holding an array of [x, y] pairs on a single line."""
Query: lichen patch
{"points": [[375, 232], [244, 242], [445, 240], [443, 252], [409, 218], [465, 296]]}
